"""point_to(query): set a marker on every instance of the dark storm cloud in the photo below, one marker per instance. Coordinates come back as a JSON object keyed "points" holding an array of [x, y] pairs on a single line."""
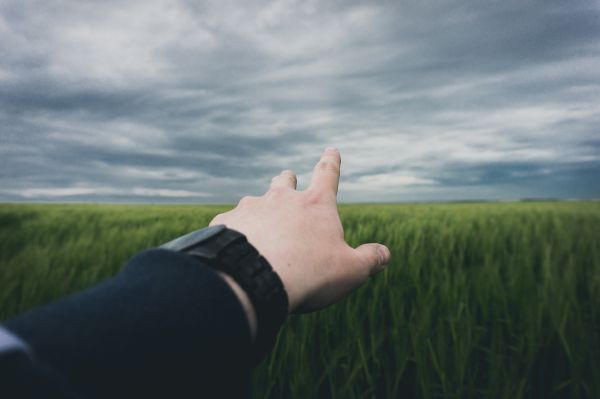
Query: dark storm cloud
{"points": [[205, 101]]}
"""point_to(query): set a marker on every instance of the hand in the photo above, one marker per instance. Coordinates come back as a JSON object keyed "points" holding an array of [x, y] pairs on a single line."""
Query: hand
{"points": [[300, 234]]}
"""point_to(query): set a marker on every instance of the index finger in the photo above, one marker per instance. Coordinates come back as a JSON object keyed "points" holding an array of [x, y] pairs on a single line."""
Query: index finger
{"points": [[326, 175]]}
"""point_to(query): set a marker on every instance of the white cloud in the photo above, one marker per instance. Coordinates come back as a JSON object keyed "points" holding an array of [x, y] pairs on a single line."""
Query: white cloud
{"points": [[54, 192], [62, 192], [391, 181]]}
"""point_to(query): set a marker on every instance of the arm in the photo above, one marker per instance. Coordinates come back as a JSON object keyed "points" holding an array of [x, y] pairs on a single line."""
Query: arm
{"points": [[165, 326], [169, 324], [244, 301]]}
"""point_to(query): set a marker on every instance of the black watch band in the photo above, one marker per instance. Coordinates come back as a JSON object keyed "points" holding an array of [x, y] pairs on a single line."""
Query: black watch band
{"points": [[229, 251]]}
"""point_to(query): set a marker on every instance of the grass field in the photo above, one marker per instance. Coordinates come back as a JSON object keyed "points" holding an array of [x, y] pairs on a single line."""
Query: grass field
{"points": [[480, 301]]}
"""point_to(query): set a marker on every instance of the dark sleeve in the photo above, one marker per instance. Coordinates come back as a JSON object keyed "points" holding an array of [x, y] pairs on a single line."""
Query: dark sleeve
{"points": [[23, 377], [166, 326]]}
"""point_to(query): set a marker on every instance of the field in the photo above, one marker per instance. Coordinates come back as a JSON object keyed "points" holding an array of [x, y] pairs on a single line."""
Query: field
{"points": [[480, 301]]}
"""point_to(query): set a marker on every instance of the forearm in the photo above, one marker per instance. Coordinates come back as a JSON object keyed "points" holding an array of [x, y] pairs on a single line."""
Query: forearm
{"points": [[244, 301], [163, 322]]}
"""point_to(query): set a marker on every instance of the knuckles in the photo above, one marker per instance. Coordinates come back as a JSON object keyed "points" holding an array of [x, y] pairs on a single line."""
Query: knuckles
{"points": [[291, 177], [218, 219], [246, 201], [312, 197], [287, 175], [222, 218], [328, 166], [278, 191]]}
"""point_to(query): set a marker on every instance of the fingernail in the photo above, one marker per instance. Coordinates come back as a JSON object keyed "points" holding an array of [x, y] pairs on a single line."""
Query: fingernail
{"points": [[330, 149], [384, 255]]}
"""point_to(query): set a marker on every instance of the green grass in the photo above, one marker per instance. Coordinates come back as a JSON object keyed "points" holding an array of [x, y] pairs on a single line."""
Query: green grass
{"points": [[480, 301]]}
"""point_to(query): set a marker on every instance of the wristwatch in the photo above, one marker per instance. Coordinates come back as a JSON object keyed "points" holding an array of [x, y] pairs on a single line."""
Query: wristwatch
{"points": [[229, 251]]}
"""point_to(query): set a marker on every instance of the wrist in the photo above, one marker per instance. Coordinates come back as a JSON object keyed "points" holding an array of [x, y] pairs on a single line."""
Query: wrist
{"points": [[244, 301], [281, 265], [259, 288]]}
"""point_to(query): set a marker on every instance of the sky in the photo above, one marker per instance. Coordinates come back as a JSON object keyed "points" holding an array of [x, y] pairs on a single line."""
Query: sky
{"points": [[205, 101]]}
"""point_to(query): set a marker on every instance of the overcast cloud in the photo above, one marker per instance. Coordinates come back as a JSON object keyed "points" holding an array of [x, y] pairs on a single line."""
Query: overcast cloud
{"points": [[205, 101]]}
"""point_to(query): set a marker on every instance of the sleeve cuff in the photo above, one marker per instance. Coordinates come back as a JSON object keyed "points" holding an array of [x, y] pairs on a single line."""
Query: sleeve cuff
{"points": [[10, 342]]}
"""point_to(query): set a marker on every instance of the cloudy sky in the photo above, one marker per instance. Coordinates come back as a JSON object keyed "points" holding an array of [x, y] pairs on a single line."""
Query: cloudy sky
{"points": [[192, 101]]}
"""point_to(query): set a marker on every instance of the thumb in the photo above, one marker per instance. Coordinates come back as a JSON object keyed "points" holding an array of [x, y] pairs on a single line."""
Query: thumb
{"points": [[374, 257]]}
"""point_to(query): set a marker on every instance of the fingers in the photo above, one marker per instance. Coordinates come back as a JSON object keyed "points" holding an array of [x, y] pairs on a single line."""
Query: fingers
{"points": [[372, 258], [326, 175], [287, 179]]}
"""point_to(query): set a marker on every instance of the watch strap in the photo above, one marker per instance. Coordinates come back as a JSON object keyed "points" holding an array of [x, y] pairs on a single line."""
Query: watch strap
{"points": [[230, 252]]}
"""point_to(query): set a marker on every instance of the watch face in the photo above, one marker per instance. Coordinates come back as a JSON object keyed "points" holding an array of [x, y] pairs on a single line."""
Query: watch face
{"points": [[193, 238]]}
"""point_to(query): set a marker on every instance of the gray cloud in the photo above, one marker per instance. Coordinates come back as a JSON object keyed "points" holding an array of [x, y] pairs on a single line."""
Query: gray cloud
{"points": [[205, 101]]}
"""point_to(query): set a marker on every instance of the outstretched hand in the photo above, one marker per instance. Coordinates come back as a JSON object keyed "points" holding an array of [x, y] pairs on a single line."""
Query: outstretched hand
{"points": [[301, 235]]}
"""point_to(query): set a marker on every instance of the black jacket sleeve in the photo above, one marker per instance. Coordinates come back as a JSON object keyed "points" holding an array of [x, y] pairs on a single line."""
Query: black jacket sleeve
{"points": [[166, 326]]}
